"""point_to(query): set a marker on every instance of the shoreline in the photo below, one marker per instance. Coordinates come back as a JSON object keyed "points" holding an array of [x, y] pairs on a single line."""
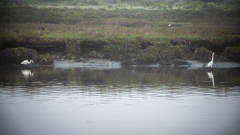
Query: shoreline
{"points": [[105, 64], [130, 51]]}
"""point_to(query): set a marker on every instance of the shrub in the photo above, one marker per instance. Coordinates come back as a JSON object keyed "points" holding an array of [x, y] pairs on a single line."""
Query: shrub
{"points": [[181, 51], [202, 54], [165, 50], [161, 50], [17, 55], [72, 48], [45, 59], [148, 56], [122, 48], [233, 53]]}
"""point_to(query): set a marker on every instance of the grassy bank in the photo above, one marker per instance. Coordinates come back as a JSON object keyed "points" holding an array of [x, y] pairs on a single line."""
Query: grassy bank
{"points": [[146, 32], [200, 20], [85, 31]]}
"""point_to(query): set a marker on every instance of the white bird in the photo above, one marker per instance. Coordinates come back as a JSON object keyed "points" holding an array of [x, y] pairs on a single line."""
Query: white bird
{"points": [[211, 62], [26, 62]]}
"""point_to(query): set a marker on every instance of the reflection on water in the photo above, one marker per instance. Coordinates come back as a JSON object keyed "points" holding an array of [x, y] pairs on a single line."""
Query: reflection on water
{"points": [[165, 78], [27, 73], [211, 76], [48, 100]]}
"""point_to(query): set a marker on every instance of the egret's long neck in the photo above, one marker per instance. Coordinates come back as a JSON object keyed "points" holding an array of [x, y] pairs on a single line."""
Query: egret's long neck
{"points": [[212, 56]]}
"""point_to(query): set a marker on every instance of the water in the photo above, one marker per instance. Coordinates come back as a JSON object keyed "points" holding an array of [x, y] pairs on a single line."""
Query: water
{"points": [[120, 101]]}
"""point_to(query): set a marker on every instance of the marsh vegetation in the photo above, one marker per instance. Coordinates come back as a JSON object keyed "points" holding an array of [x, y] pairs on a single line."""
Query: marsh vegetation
{"points": [[123, 30]]}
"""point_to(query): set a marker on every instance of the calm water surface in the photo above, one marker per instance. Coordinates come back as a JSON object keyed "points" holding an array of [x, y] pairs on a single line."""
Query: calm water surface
{"points": [[124, 101]]}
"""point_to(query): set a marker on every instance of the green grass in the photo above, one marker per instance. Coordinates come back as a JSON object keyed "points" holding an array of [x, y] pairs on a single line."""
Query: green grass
{"points": [[84, 31], [60, 36], [192, 20]]}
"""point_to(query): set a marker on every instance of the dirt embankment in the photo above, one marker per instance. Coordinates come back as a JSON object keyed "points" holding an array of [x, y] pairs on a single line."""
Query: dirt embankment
{"points": [[128, 50]]}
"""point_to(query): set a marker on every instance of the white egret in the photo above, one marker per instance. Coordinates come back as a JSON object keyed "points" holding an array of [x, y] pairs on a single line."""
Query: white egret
{"points": [[210, 64], [26, 62]]}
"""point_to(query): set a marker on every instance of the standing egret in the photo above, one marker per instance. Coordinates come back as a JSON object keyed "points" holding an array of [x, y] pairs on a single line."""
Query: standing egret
{"points": [[210, 64], [26, 62]]}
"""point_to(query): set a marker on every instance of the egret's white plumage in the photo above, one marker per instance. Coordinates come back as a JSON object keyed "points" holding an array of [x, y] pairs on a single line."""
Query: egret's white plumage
{"points": [[26, 62], [210, 64]]}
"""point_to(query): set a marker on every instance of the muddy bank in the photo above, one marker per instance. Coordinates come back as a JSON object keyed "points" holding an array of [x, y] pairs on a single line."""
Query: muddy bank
{"points": [[108, 64], [130, 51], [90, 64]]}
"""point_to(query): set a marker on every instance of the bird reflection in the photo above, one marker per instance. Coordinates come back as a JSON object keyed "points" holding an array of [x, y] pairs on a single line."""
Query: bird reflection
{"points": [[27, 73], [211, 76]]}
